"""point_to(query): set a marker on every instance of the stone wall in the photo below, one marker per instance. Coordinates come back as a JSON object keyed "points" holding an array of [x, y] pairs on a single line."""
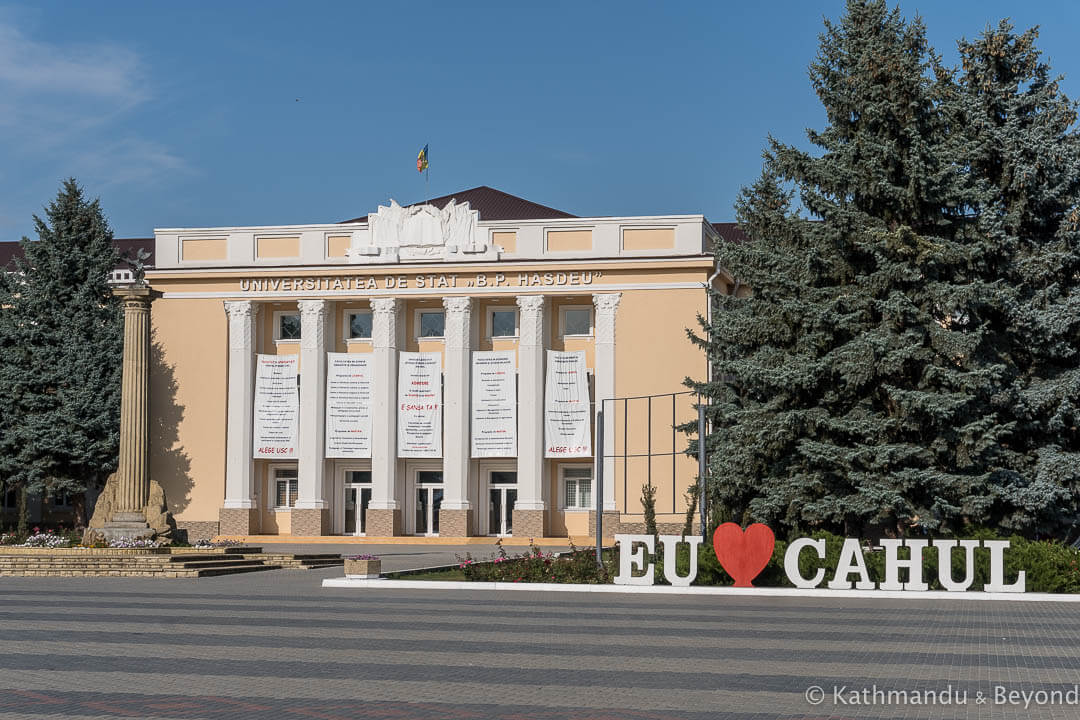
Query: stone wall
{"points": [[192, 530]]}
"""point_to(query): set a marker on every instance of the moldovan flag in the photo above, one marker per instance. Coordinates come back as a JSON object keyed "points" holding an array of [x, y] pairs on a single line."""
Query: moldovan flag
{"points": [[422, 160]]}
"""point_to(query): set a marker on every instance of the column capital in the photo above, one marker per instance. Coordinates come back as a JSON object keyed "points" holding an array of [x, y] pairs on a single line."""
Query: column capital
{"points": [[384, 321], [135, 297], [457, 304], [314, 307], [458, 322], [242, 308], [313, 315], [530, 303], [606, 306]]}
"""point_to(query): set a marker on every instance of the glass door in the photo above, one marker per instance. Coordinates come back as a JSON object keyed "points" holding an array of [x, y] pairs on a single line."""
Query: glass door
{"points": [[502, 495], [429, 497], [357, 499]]}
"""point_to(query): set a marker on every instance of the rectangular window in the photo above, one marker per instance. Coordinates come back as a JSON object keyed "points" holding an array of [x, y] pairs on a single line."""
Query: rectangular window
{"points": [[432, 324], [10, 499], [286, 486], [503, 477], [359, 325], [425, 477], [357, 476], [577, 321], [577, 482], [61, 500], [287, 326], [503, 323]]}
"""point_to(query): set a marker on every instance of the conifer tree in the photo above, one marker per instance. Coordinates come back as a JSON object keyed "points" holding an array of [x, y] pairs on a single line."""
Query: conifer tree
{"points": [[61, 348], [855, 388], [1021, 152]]}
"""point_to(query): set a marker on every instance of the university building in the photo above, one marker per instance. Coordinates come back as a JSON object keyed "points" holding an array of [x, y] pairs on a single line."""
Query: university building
{"points": [[429, 369]]}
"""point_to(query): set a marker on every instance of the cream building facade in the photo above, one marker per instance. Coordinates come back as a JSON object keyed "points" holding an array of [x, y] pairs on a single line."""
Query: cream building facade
{"points": [[477, 272]]}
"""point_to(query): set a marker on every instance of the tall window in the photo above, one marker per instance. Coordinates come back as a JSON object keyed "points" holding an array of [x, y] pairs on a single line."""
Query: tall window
{"points": [[359, 325], [432, 324], [577, 487], [286, 487]]}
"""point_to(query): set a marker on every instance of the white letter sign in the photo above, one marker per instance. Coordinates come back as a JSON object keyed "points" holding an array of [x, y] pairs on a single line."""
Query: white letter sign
{"points": [[420, 405], [567, 431], [494, 405], [348, 405], [277, 407]]}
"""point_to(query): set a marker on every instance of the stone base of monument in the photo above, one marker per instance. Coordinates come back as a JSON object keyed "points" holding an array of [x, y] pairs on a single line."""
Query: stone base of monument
{"points": [[127, 526], [154, 522]]}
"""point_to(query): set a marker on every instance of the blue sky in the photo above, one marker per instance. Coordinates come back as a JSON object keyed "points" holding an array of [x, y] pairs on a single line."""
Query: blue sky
{"points": [[242, 113]]}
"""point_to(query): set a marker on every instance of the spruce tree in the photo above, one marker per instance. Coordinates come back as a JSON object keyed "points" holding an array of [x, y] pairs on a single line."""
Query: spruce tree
{"points": [[61, 348], [1019, 148], [854, 389]]}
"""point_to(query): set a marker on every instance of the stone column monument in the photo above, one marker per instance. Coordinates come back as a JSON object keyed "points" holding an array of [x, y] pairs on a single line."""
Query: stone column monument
{"points": [[131, 506]]}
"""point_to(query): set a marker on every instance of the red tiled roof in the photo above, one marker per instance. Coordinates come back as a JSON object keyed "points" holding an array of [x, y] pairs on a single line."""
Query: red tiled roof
{"points": [[492, 204], [730, 232], [11, 250]]}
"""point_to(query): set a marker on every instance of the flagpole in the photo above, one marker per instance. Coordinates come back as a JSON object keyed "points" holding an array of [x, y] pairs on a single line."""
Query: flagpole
{"points": [[427, 171]]}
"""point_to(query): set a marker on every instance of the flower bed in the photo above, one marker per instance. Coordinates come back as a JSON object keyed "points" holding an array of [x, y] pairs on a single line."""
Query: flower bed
{"points": [[535, 565]]}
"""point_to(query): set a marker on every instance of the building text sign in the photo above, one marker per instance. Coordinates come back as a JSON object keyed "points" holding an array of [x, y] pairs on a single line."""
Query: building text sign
{"points": [[349, 380], [745, 553], [419, 405], [567, 427], [277, 406], [494, 404], [419, 281]]}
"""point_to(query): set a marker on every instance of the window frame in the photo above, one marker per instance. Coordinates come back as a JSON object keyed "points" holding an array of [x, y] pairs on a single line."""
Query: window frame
{"points": [[278, 315], [346, 327], [272, 481], [563, 480], [490, 322], [417, 328], [562, 321]]}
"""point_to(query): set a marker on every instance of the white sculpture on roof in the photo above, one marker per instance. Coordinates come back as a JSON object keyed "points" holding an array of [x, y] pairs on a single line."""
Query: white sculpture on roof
{"points": [[422, 231]]}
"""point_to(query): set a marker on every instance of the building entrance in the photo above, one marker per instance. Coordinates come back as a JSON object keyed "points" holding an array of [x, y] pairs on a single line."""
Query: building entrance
{"points": [[357, 499], [502, 496]]}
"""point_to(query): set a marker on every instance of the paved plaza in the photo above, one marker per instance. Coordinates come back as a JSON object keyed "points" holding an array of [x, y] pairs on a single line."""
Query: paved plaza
{"points": [[277, 645]]}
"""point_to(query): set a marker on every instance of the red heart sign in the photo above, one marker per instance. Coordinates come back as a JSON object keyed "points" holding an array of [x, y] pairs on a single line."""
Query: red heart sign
{"points": [[743, 555]]}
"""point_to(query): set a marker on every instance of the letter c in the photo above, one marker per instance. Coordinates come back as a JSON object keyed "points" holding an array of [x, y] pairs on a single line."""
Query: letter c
{"points": [[791, 562]]}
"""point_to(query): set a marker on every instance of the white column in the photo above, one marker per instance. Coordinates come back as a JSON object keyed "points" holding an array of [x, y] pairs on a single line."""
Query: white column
{"points": [[530, 460], [386, 316], [311, 469], [607, 304], [239, 465], [456, 396]]}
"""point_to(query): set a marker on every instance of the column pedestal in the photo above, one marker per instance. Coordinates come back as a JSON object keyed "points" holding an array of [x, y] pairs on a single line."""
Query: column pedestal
{"points": [[529, 523], [309, 522], [455, 523], [238, 521], [383, 522]]}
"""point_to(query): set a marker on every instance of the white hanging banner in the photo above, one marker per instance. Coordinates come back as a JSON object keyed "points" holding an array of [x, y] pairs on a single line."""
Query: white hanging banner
{"points": [[277, 406], [419, 405], [349, 378], [494, 404], [567, 426]]}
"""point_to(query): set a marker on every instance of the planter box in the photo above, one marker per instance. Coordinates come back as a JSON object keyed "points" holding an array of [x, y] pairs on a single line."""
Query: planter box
{"points": [[367, 569]]}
